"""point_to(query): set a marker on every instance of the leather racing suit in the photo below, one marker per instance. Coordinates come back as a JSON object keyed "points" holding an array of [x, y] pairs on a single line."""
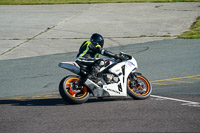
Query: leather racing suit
{"points": [[88, 59]]}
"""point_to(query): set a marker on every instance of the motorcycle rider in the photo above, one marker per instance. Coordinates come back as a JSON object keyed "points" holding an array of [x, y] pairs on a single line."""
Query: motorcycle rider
{"points": [[88, 57]]}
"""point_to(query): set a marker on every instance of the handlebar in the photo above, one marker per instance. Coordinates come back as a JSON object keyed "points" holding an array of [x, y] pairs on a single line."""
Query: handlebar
{"points": [[125, 56]]}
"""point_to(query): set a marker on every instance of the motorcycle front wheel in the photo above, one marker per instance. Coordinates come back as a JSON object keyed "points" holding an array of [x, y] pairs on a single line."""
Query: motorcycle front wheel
{"points": [[70, 93], [141, 90]]}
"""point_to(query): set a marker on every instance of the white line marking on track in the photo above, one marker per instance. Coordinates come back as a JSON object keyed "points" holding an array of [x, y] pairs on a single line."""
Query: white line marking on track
{"points": [[185, 102]]}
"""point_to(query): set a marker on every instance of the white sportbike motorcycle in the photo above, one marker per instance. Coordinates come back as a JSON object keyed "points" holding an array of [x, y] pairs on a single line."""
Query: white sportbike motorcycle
{"points": [[116, 78]]}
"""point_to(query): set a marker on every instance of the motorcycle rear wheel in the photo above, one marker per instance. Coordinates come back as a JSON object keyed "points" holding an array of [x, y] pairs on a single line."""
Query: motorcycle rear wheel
{"points": [[70, 93], [140, 92]]}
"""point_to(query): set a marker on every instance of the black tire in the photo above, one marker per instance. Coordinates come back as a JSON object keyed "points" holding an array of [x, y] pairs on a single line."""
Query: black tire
{"points": [[69, 94], [145, 87]]}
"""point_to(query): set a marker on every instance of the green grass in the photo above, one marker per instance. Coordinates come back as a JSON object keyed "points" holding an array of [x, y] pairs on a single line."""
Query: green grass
{"points": [[194, 32], [30, 2]]}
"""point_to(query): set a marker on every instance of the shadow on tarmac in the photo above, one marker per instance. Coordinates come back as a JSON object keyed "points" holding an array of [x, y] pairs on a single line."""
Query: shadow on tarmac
{"points": [[34, 102], [53, 101]]}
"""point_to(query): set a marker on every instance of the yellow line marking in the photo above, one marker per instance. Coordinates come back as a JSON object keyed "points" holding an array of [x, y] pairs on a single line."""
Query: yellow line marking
{"points": [[195, 78], [180, 81], [159, 84], [16, 98], [34, 97], [173, 80], [187, 77]]}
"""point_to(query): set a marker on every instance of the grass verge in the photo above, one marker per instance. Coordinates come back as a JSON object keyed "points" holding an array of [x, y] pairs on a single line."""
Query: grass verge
{"points": [[194, 32], [31, 2]]}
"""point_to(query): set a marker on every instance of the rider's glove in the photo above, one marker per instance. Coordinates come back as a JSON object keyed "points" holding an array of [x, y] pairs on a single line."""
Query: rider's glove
{"points": [[117, 56]]}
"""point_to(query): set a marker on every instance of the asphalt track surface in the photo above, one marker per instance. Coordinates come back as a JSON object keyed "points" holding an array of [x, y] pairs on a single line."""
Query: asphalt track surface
{"points": [[30, 101], [29, 98]]}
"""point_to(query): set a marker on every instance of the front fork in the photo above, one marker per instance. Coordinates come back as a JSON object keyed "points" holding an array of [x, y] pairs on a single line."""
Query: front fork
{"points": [[135, 79]]}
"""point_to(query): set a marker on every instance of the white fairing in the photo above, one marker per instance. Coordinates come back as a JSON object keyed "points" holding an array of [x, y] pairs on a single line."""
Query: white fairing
{"points": [[71, 66], [113, 90], [129, 66]]}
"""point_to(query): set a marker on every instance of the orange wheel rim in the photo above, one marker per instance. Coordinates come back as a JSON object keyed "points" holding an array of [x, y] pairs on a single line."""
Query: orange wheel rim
{"points": [[73, 93], [147, 86]]}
